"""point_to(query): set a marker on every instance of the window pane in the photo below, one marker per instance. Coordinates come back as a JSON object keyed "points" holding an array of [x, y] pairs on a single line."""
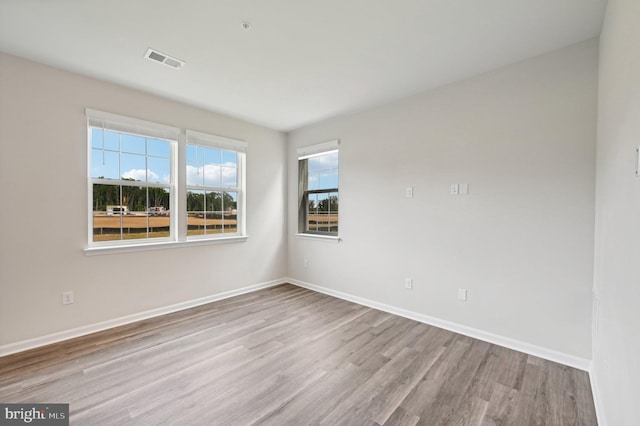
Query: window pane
{"points": [[96, 138], [312, 213], [158, 148], [313, 181], [323, 213], [229, 158], [212, 175], [329, 161], [195, 200], [229, 177], [211, 155], [332, 212], [213, 212], [158, 213], [159, 201], [104, 164], [195, 176], [106, 224], [133, 167], [191, 154], [111, 141], [213, 201], [104, 140], [134, 218], [230, 212], [132, 144], [196, 220], [314, 164], [134, 198], [328, 180], [159, 170]]}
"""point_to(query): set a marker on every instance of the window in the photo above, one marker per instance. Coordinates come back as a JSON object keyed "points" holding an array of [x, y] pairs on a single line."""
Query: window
{"points": [[318, 189], [132, 179], [214, 185], [146, 185]]}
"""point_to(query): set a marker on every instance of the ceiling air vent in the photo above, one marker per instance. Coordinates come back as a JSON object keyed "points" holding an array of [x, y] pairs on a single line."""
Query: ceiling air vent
{"points": [[167, 60]]}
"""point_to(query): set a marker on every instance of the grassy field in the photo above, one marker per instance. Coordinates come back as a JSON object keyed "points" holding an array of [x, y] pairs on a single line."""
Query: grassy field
{"points": [[107, 228], [322, 222]]}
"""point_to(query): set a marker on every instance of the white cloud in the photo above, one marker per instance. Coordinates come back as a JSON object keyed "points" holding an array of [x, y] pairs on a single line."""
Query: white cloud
{"points": [[324, 162], [212, 175], [141, 175]]}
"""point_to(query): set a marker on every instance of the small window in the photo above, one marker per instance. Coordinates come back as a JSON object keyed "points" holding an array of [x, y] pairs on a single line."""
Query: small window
{"points": [[318, 189], [131, 179], [215, 186]]}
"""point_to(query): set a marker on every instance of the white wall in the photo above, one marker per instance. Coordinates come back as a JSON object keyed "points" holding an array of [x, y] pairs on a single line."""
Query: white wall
{"points": [[616, 349], [43, 156], [521, 242]]}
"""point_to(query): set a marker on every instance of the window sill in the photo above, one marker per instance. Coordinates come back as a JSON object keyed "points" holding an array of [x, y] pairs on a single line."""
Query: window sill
{"points": [[325, 238], [98, 250]]}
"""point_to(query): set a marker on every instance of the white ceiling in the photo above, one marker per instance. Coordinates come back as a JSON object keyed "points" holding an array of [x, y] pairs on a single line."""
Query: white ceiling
{"points": [[302, 61]]}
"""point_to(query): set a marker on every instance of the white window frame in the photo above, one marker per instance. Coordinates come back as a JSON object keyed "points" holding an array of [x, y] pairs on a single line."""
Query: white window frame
{"points": [[225, 144], [132, 126], [178, 186], [305, 153]]}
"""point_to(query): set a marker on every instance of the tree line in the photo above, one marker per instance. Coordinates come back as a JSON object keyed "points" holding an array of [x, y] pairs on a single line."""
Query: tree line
{"points": [[329, 204], [135, 199]]}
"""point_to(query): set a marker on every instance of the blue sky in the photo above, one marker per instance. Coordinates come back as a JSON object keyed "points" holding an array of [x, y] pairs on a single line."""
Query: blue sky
{"points": [[323, 171], [115, 155]]}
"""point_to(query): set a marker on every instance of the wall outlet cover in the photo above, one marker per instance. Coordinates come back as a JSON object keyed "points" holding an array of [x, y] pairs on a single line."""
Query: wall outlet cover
{"points": [[67, 297]]}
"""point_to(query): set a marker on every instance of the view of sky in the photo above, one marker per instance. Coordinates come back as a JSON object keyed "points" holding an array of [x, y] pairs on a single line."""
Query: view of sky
{"points": [[118, 155], [323, 171]]}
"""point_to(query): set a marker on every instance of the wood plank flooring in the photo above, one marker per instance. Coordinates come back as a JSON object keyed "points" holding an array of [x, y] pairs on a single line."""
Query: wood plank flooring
{"points": [[290, 356]]}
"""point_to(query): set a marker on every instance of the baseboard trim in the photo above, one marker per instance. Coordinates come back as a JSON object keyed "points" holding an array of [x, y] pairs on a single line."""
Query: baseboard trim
{"points": [[597, 399], [24, 345], [538, 351]]}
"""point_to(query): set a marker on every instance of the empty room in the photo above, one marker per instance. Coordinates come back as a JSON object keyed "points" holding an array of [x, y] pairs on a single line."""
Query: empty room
{"points": [[419, 212]]}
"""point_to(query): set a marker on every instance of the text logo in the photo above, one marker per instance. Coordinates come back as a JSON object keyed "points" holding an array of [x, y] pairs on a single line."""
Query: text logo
{"points": [[34, 414]]}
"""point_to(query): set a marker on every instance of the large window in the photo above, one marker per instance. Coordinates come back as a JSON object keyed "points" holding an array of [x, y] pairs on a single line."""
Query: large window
{"points": [[132, 179], [214, 184], [146, 184], [318, 211]]}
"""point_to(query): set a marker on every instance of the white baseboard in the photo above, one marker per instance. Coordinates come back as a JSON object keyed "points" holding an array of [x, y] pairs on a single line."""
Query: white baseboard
{"points": [[528, 348], [24, 345], [597, 398]]}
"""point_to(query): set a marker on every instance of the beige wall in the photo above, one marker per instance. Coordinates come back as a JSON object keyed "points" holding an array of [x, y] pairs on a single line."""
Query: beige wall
{"points": [[43, 156], [521, 242], [616, 348]]}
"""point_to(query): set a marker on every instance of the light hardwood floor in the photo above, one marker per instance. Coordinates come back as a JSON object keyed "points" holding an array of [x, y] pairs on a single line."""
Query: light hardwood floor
{"points": [[290, 356]]}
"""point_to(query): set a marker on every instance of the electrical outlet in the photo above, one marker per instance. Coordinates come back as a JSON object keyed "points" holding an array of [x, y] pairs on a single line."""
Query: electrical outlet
{"points": [[306, 263], [454, 189], [67, 297], [409, 192], [408, 283]]}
